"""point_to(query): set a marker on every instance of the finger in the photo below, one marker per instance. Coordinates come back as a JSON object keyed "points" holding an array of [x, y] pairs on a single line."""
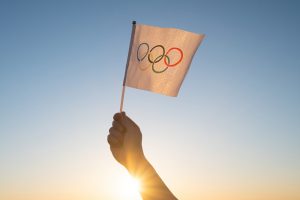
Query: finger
{"points": [[123, 114], [115, 138], [112, 140], [117, 125], [115, 145], [117, 134], [118, 116], [130, 121]]}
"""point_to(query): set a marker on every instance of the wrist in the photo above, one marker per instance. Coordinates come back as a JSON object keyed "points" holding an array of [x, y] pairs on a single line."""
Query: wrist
{"points": [[135, 166]]}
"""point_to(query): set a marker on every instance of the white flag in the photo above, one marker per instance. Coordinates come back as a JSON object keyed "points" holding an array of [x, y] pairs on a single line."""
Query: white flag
{"points": [[159, 58]]}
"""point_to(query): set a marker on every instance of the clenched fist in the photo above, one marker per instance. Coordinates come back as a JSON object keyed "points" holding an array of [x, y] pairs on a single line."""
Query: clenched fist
{"points": [[125, 139]]}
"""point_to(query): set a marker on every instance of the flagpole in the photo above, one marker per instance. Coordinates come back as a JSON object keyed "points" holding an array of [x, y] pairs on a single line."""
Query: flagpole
{"points": [[128, 60], [122, 98]]}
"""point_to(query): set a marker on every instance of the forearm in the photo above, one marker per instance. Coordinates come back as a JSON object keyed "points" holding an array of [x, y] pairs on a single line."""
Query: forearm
{"points": [[152, 186]]}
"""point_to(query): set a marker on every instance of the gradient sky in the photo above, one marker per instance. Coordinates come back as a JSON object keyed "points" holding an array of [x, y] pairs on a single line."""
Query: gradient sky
{"points": [[232, 133]]}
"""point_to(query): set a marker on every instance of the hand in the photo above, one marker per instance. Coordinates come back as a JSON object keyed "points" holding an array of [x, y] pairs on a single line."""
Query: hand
{"points": [[125, 139]]}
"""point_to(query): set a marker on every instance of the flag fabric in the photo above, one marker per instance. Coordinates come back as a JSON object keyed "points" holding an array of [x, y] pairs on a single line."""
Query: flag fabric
{"points": [[159, 58]]}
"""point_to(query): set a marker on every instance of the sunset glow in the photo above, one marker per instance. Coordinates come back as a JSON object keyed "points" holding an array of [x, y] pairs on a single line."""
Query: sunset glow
{"points": [[129, 188], [233, 132]]}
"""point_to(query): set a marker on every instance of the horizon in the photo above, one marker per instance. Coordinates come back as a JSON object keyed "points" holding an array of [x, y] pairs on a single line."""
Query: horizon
{"points": [[232, 133]]}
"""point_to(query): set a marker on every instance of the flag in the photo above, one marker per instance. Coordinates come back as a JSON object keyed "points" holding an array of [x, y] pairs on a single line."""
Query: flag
{"points": [[159, 58]]}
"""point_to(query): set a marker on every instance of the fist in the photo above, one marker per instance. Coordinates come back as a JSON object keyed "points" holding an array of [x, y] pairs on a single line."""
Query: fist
{"points": [[125, 140]]}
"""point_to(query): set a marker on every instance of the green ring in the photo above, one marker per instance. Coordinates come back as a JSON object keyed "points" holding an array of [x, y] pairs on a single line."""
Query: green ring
{"points": [[163, 69]]}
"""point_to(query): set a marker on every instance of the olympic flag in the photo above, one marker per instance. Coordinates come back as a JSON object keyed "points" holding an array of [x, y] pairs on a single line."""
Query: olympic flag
{"points": [[159, 58]]}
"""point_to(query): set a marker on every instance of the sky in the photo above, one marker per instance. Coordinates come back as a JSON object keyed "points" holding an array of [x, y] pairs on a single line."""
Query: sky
{"points": [[232, 133]]}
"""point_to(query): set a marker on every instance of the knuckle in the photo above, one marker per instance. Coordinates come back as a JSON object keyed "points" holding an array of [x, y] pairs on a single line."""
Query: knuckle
{"points": [[115, 123], [108, 139], [116, 116], [138, 129]]}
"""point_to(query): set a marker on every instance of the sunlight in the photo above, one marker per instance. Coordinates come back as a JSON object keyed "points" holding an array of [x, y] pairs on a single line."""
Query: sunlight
{"points": [[130, 188]]}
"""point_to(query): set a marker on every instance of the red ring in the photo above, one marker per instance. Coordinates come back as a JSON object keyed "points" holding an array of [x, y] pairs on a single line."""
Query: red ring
{"points": [[181, 57]]}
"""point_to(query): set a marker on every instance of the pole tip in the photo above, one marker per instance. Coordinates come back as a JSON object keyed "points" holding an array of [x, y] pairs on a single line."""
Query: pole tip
{"points": [[133, 22]]}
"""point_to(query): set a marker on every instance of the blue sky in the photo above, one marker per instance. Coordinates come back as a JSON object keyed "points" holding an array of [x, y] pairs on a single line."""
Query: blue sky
{"points": [[232, 132]]}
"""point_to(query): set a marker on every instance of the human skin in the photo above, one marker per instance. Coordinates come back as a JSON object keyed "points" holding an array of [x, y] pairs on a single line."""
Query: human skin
{"points": [[125, 140]]}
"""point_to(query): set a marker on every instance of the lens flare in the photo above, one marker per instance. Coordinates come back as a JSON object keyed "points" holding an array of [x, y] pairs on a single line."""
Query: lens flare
{"points": [[130, 188]]}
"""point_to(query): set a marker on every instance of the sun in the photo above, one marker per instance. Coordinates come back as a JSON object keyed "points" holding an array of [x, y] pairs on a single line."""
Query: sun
{"points": [[129, 188]]}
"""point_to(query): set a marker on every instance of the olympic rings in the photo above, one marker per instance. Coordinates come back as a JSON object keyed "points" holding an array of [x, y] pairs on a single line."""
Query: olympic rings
{"points": [[143, 50]]}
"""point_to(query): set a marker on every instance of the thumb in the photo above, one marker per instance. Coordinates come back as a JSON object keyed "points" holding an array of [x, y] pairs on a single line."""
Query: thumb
{"points": [[129, 121], [125, 120]]}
